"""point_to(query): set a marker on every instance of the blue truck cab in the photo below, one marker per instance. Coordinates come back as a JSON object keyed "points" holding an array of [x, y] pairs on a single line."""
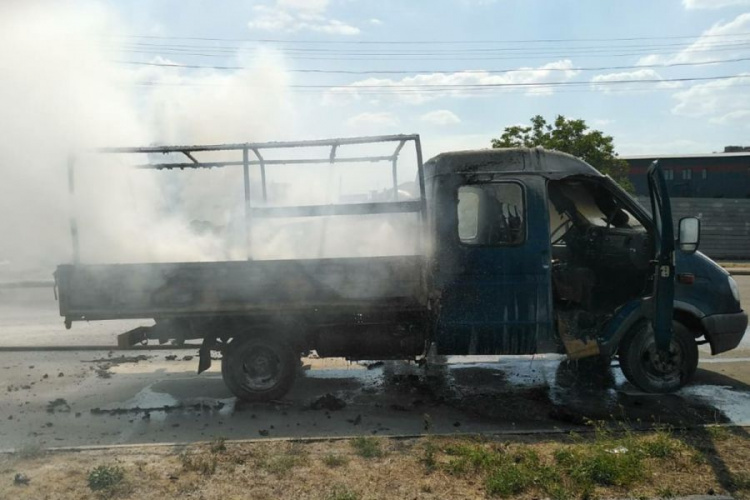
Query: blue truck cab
{"points": [[536, 251]]}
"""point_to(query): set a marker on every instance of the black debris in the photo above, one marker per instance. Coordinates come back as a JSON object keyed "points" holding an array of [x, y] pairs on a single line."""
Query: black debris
{"points": [[118, 360], [328, 402], [21, 479], [58, 405]]}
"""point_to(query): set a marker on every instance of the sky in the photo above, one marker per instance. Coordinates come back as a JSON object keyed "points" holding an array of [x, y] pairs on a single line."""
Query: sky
{"points": [[666, 76], [669, 117]]}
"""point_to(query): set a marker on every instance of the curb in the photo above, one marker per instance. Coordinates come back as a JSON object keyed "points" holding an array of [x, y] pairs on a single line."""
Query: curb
{"points": [[559, 430]]}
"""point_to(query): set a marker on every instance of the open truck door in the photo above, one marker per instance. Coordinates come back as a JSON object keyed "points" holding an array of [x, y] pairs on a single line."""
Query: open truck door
{"points": [[661, 311], [658, 354]]}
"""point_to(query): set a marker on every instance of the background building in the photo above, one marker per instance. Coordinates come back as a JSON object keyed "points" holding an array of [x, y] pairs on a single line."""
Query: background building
{"points": [[717, 175], [713, 187]]}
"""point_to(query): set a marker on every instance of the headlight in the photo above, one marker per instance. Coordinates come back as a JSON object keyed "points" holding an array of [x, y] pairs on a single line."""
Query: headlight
{"points": [[735, 289]]}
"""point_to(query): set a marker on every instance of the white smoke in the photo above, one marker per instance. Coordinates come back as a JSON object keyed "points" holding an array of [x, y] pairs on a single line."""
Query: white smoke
{"points": [[61, 91]]}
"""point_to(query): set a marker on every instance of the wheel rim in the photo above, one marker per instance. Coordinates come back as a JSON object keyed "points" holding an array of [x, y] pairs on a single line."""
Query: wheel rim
{"points": [[261, 368], [664, 366]]}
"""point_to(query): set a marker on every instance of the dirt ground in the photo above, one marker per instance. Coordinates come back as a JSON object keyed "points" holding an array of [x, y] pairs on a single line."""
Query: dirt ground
{"points": [[710, 461]]}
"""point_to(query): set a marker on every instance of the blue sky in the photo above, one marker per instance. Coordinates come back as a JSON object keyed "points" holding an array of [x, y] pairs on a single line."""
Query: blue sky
{"points": [[671, 117]]}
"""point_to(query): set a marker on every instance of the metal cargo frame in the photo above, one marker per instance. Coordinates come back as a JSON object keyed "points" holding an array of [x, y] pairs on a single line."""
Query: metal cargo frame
{"points": [[418, 207]]}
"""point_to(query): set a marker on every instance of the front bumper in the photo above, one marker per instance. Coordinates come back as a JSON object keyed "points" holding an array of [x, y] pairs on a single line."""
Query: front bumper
{"points": [[725, 331]]}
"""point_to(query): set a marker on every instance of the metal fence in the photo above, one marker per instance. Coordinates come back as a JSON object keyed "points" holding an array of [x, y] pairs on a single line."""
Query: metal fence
{"points": [[725, 224]]}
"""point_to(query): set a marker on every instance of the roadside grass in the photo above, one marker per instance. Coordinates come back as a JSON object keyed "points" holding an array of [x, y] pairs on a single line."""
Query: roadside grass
{"points": [[107, 481], [202, 463], [602, 463], [219, 445], [367, 447], [573, 470], [292, 455], [718, 432], [335, 460], [340, 492]]}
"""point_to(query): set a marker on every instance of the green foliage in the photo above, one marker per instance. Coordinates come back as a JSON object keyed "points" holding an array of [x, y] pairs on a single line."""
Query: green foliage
{"points": [[718, 432], [507, 474], [428, 458], [569, 136], [105, 477], [665, 492], [367, 447], [573, 471], [598, 465], [661, 445], [472, 458]]}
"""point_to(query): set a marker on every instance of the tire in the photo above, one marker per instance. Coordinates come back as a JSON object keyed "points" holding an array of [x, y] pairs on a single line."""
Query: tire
{"points": [[638, 360], [259, 368]]}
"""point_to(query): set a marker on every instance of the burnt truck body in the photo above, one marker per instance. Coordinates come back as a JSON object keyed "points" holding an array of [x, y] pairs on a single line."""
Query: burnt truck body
{"points": [[520, 251]]}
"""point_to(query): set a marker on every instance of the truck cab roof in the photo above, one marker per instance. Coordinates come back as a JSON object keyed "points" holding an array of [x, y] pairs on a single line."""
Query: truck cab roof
{"points": [[548, 163]]}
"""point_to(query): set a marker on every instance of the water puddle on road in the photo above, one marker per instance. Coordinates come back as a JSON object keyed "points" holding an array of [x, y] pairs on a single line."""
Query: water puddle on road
{"points": [[488, 393]]}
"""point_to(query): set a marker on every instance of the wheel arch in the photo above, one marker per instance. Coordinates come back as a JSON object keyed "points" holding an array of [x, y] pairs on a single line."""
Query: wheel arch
{"points": [[635, 311]]}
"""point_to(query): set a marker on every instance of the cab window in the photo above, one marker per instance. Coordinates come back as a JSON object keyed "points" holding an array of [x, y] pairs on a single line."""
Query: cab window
{"points": [[491, 214]]}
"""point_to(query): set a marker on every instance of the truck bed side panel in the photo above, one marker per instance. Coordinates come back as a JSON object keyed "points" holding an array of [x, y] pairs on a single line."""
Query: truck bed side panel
{"points": [[114, 291]]}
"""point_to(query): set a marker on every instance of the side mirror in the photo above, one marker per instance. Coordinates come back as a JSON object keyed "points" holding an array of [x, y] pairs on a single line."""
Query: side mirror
{"points": [[690, 234]]}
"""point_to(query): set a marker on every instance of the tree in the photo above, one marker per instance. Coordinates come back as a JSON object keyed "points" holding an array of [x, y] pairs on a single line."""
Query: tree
{"points": [[569, 136]]}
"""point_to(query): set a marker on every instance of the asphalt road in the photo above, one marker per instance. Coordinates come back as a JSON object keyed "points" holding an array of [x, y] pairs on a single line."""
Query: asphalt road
{"points": [[97, 397]]}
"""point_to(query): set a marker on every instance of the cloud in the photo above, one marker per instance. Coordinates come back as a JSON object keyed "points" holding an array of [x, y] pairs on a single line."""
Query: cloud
{"points": [[308, 5], [722, 36], [636, 75], [375, 21], [721, 101], [382, 119], [741, 116], [429, 86], [298, 15], [602, 122], [713, 4], [440, 117]]}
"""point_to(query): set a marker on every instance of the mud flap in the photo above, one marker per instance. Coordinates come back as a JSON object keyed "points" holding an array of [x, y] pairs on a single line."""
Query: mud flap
{"points": [[204, 354]]}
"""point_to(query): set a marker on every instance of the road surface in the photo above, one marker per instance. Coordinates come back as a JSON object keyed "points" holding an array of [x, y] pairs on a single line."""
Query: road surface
{"points": [[101, 397]]}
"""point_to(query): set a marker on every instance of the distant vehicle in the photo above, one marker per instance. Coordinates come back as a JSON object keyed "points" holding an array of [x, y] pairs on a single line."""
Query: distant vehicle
{"points": [[521, 251]]}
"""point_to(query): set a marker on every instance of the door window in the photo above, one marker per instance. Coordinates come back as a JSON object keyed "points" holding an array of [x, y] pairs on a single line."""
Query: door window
{"points": [[491, 214]]}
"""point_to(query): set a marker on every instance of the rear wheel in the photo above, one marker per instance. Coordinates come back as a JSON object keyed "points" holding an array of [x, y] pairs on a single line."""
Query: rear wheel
{"points": [[259, 368], [653, 371]]}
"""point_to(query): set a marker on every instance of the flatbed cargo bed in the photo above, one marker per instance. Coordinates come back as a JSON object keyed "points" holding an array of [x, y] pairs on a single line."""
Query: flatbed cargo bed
{"points": [[122, 291]]}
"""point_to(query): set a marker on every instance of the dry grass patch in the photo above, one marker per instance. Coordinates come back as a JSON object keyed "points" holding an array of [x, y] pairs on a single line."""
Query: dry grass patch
{"points": [[603, 464]]}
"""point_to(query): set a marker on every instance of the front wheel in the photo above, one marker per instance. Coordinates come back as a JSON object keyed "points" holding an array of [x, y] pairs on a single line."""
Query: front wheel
{"points": [[259, 368], [658, 372]]}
